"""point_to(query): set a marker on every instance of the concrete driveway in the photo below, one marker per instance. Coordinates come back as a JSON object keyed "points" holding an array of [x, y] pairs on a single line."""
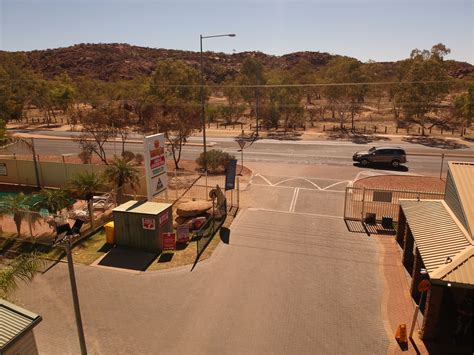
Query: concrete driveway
{"points": [[292, 280]]}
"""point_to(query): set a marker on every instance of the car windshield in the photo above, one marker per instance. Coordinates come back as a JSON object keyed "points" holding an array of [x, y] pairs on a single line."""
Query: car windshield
{"points": [[372, 150]]}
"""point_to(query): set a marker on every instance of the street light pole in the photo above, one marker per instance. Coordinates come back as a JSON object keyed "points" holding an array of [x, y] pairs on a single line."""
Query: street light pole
{"points": [[203, 113]]}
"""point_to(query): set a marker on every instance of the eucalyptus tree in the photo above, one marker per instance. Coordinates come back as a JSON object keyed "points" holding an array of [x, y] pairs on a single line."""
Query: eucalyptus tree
{"points": [[175, 93], [424, 83]]}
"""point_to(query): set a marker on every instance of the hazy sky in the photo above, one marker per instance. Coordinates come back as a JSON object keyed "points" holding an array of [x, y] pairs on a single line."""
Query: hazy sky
{"points": [[382, 30]]}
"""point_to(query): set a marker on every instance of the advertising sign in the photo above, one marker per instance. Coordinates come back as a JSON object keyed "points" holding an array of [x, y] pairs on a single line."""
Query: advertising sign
{"points": [[183, 233], [169, 241], [3, 169], [155, 164], [148, 223], [230, 175]]}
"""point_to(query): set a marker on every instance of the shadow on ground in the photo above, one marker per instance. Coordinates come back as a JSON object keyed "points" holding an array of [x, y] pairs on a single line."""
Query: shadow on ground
{"points": [[224, 233], [357, 138], [402, 168], [285, 136], [365, 228], [127, 258], [435, 142]]}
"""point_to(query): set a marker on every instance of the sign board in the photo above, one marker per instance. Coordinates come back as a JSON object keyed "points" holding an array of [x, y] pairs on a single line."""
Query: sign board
{"points": [[155, 164], [3, 169], [163, 218], [148, 223], [230, 174], [423, 286], [241, 143], [169, 241], [183, 233]]}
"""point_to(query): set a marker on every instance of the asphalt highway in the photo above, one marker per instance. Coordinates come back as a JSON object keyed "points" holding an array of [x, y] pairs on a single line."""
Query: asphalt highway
{"points": [[421, 159]]}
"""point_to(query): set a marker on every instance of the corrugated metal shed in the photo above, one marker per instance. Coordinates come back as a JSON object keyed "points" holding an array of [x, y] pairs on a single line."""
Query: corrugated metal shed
{"points": [[459, 271], [14, 322], [463, 176], [437, 233]]}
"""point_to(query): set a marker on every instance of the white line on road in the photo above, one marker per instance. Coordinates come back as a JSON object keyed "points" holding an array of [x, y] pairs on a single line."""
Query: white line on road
{"points": [[293, 201], [296, 213], [265, 179], [337, 183], [292, 187]]}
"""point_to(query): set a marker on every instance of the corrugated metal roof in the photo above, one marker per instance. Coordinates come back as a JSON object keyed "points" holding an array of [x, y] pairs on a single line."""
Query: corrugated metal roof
{"points": [[436, 231], [124, 206], [459, 271], [153, 208], [14, 321], [463, 176]]}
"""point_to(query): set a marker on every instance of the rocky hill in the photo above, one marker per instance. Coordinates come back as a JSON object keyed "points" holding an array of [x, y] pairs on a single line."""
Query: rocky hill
{"points": [[123, 61]]}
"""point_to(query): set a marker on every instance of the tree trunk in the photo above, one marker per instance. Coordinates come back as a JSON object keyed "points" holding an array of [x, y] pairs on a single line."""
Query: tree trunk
{"points": [[91, 212]]}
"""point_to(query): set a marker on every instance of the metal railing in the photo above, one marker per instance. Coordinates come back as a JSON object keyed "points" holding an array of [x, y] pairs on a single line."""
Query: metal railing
{"points": [[359, 201]]}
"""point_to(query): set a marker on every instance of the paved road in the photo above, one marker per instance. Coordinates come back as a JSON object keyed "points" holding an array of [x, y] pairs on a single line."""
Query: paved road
{"points": [[338, 153], [292, 280]]}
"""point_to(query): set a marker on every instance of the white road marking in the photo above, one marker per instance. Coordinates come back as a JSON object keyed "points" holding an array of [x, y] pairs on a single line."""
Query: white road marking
{"points": [[293, 200], [265, 179], [301, 188], [297, 178], [300, 213], [337, 183]]}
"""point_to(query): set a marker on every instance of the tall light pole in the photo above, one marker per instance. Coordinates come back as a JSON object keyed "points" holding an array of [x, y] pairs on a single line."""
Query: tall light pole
{"points": [[203, 114]]}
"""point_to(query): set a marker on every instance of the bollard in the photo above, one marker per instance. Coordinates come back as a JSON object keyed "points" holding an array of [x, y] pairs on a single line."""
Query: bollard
{"points": [[375, 129], [441, 130], [217, 123], [452, 133], [385, 129], [324, 127], [396, 130]]}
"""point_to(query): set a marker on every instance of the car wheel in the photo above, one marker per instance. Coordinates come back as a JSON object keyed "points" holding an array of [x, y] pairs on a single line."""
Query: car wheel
{"points": [[395, 163], [364, 162]]}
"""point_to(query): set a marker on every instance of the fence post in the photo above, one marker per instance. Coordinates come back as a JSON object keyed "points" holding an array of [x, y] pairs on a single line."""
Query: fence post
{"points": [[385, 129], [441, 168], [176, 183], [238, 192], [207, 194], [345, 201], [363, 205]]}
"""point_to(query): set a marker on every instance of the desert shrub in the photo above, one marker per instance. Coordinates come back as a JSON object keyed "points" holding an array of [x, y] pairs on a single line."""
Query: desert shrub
{"points": [[128, 155], [85, 156], [216, 160], [139, 158]]}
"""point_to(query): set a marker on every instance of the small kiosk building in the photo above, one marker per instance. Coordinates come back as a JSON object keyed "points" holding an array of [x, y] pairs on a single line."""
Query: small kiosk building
{"points": [[141, 224]]}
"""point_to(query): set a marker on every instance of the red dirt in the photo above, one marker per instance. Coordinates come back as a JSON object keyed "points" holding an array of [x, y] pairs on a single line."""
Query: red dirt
{"points": [[402, 182]]}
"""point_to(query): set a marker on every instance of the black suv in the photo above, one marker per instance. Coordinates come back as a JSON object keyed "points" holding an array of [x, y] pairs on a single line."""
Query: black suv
{"points": [[388, 155]]}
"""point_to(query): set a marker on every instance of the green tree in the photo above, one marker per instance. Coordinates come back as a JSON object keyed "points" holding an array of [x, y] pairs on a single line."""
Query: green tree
{"points": [[122, 172], [23, 267], [346, 90], [54, 200], [16, 206], [3, 130], [96, 131], [252, 76], [85, 185], [463, 107], [423, 85], [16, 81], [174, 90]]}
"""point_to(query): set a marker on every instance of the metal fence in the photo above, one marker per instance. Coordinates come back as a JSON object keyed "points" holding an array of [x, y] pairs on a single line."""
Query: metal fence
{"points": [[359, 201], [187, 186]]}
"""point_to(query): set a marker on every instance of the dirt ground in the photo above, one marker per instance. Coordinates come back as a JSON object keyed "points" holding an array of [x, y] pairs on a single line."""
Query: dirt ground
{"points": [[413, 183]]}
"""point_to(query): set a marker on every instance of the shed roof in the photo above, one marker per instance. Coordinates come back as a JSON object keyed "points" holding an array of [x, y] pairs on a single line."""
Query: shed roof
{"points": [[14, 322], [463, 176], [437, 233], [153, 208], [125, 206], [459, 271]]}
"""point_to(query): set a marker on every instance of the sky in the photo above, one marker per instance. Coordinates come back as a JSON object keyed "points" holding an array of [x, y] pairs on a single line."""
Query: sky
{"points": [[380, 30]]}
